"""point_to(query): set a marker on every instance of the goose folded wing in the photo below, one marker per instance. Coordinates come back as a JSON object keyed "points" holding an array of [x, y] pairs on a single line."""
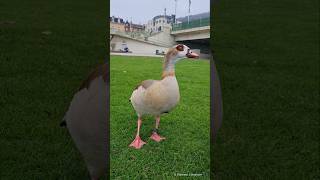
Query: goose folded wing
{"points": [[146, 83]]}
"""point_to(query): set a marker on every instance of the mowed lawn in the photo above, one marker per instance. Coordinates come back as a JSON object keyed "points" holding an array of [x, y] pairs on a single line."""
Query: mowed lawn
{"points": [[187, 147], [46, 49], [267, 54]]}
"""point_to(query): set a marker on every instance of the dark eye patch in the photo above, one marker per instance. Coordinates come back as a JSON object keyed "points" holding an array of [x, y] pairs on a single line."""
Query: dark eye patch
{"points": [[180, 47]]}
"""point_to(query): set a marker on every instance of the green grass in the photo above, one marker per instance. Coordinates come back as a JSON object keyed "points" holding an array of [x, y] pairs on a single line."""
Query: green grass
{"points": [[267, 54], [38, 75], [186, 149]]}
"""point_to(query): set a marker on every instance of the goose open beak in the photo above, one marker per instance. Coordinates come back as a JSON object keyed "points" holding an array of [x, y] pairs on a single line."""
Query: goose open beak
{"points": [[192, 55]]}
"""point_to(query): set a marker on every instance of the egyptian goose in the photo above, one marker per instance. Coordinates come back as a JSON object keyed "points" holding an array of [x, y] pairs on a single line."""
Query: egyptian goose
{"points": [[155, 97], [86, 120]]}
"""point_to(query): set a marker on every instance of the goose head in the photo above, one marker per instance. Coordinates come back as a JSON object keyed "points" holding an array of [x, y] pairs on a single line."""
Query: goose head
{"points": [[185, 52], [179, 52], [175, 54]]}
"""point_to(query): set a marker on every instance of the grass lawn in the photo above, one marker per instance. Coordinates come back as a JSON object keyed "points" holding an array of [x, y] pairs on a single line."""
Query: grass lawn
{"points": [[39, 72], [267, 54], [186, 149]]}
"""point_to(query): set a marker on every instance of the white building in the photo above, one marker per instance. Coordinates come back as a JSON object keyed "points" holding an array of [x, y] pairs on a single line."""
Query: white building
{"points": [[158, 23]]}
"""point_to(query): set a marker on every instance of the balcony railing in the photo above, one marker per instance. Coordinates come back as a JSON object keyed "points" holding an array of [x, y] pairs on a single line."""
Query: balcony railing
{"points": [[191, 24]]}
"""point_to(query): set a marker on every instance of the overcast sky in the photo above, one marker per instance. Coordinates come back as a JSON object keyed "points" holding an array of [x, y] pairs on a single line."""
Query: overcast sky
{"points": [[143, 10]]}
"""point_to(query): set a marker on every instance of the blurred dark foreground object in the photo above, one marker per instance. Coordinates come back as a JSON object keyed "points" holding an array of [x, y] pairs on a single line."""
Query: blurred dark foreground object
{"points": [[86, 120], [216, 102]]}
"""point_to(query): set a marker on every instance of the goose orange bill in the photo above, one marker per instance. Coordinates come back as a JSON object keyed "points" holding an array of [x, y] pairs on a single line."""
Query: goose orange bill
{"points": [[192, 55]]}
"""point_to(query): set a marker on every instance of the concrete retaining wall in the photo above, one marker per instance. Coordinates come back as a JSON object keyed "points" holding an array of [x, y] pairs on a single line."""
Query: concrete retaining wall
{"points": [[136, 46]]}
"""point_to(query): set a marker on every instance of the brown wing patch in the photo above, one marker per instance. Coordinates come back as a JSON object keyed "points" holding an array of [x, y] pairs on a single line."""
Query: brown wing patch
{"points": [[146, 83], [101, 70]]}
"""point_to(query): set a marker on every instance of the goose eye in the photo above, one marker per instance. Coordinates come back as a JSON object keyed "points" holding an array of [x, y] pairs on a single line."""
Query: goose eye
{"points": [[180, 47]]}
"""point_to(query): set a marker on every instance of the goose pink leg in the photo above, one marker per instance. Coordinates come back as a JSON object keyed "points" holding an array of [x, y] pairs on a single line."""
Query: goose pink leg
{"points": [[155, 136], [137, 142]]}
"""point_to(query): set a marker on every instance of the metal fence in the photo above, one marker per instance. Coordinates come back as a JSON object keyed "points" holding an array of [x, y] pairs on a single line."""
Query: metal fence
{"points": [[191, 24]]}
